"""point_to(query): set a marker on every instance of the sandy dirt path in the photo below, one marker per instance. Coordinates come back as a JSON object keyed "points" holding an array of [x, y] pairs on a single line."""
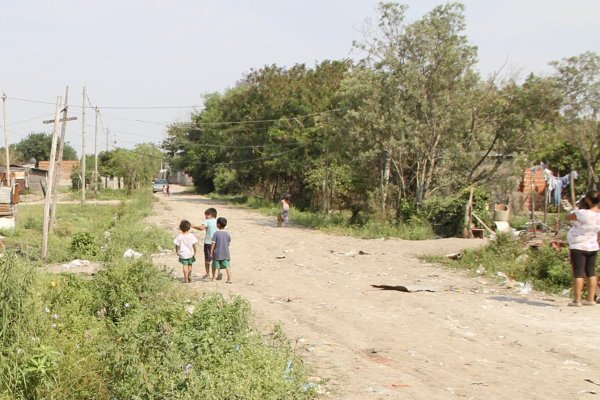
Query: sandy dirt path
{"points": [[470, 339]]}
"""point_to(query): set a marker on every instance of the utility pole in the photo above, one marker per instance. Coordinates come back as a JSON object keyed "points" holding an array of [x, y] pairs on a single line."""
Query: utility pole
{"points": [[83, 149], [96, 154], [106, 177], [5, 139], [58, 170], [48, 198]]}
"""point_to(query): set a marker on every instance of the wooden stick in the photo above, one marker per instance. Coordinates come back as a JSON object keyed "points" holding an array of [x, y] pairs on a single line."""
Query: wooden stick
{"points": [[482, 223]]}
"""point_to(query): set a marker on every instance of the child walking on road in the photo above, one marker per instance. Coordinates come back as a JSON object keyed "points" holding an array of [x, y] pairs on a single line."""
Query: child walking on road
{"points": [[220, 250], [185, 246], [210, 227]]}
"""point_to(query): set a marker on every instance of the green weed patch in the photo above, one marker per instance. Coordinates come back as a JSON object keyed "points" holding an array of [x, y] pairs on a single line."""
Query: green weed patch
{"points": [[131, 332], [546, 268]]}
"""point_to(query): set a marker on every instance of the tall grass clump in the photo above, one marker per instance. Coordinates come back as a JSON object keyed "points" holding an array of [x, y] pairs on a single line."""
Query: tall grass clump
{"points": [[546, 268], [130, 232], [131, 332]]}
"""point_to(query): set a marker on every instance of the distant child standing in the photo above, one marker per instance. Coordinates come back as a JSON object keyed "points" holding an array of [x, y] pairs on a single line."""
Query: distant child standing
{"points": [[210, 227], [285, 209], [185, 246], [220, 250]]}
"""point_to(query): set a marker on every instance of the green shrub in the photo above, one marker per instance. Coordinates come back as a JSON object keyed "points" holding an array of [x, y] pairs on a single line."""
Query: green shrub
{"points": [[446, 214], [226, 181], [83, 245], [121, 285], [200, 349], [549, 268], [16, 278]]}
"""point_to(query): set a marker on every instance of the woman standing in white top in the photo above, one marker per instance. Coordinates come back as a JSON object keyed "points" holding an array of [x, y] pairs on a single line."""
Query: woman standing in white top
{"points": [[583, 248]]}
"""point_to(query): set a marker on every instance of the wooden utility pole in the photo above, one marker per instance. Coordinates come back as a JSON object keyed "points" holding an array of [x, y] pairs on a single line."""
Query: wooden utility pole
{"points": [[96, 154], [5, 139], [47, 200], [106, 177], [83, 149], [467, 232], [57, 170], [572, 187]]}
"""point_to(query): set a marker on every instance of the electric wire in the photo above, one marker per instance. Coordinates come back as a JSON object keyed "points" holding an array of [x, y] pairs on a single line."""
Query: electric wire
{"points": [[106, 107]]}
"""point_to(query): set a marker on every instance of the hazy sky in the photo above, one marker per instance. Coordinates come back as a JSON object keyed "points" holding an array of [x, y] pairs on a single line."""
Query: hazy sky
{"points": [[145, 53]]}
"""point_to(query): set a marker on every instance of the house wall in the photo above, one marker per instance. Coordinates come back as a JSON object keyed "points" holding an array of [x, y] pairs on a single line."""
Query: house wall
{"points": [[66, 169]]}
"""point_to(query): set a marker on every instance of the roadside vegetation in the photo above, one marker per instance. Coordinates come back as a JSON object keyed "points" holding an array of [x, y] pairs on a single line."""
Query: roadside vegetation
{"points": [[389, 143], [131, 331], [437, 217], [510, 258]]}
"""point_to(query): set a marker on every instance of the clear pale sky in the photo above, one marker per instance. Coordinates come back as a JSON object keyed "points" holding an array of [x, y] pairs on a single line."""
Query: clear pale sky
{"points": [[145, 53]]}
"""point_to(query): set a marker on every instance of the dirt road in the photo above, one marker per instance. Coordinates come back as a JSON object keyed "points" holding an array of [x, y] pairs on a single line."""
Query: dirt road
{"points": [[470, 338]]}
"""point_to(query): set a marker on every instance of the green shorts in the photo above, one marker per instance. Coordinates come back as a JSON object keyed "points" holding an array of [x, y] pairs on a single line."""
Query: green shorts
{"points": [[221, 264], [187, 261]]}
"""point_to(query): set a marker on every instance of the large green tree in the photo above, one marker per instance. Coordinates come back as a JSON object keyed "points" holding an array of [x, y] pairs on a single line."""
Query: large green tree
{"points": [[38, 147], [579, 80], [137, 167], [411, 102]]}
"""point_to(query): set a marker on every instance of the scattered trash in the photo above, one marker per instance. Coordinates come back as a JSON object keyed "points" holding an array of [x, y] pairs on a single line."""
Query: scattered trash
{"points": [[406, 289], [76, 263], [502, 226], [288, 369], [397, 385], [190, 309], [288, 251], [351, 253], [454, 256], [480, 270], [378, 390], [130, 253], [526, 288], [280, 257]]}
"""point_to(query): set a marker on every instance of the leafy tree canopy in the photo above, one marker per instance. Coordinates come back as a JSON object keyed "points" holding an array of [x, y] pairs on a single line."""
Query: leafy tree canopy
{"points": [[38, 146]]}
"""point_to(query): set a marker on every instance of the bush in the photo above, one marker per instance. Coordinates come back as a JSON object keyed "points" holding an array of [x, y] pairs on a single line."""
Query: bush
{"points": [[83, 245], [121, 285], [226, 181], [549, 268], [446, 214]]}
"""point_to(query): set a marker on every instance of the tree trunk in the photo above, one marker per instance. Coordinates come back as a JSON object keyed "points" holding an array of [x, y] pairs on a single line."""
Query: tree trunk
{"points": [[385, 179]]}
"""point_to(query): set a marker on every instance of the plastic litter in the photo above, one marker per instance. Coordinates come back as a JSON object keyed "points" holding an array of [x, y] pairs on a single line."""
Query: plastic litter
{"points": [[526, 288], [288, 369], [76, 263], [130, 253]]}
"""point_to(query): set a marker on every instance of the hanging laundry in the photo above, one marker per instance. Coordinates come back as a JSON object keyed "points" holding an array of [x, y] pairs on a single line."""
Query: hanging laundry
{"points": [[559, 185]]}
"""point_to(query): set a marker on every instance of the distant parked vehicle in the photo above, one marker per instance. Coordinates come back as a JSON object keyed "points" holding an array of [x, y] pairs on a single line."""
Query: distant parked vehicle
{"points": [[158, 185]]}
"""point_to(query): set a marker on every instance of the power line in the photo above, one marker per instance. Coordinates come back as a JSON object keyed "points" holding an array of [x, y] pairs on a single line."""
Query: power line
{"points": [[30, 119], [201, 124], [267, 157], [107, 107]]}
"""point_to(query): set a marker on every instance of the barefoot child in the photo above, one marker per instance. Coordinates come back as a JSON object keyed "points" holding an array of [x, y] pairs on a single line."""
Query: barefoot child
{"points": [[220, 250], [185, 246], [210, 227]]}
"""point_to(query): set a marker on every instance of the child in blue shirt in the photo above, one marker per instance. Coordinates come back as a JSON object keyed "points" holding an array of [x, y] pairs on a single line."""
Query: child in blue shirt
{"points": [[220, 249], [210, 227]]}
